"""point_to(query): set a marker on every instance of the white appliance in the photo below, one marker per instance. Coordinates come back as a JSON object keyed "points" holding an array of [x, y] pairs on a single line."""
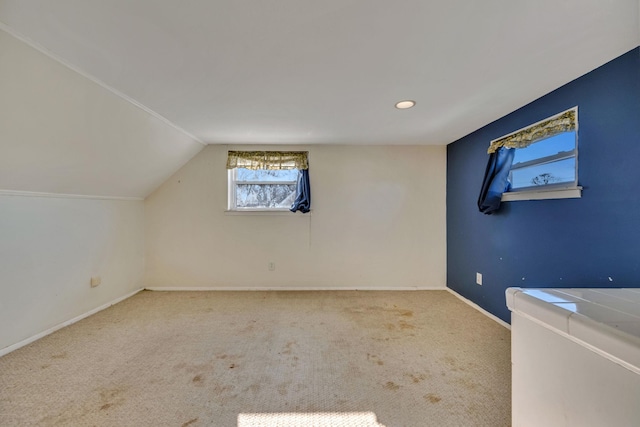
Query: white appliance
{"points": [[575, 357]]}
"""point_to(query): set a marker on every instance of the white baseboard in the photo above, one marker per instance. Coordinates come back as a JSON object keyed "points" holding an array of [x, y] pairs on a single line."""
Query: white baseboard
{"points": [[280, 288], [480, 309], [36, 337]]}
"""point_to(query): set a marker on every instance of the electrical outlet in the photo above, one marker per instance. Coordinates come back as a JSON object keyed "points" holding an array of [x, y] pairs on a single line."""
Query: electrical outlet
{"points": [[479, 279], [272, 266], [95, 281]]}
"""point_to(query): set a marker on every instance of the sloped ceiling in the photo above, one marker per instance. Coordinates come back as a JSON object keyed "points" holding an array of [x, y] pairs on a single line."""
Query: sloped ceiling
{"points": [[62, 133], [111, 97]]}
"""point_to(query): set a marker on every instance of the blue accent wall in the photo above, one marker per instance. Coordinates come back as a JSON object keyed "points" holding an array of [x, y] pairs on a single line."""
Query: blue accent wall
{"points": [[593, 241]]}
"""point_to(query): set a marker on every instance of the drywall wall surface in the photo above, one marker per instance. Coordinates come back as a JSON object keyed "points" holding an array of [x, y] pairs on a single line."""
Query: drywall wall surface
{"points": [[50, 248], [63, 133], [377, 221], [593, 241]]}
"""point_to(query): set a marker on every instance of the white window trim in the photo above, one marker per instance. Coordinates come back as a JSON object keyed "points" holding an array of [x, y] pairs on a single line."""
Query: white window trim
{"points": [[265, 212], [548, 194], [231, 197]]}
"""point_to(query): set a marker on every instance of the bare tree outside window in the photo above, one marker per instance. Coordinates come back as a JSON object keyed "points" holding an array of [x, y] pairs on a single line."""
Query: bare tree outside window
{"points": [[265, 195], [544, 179], [265, 189]]}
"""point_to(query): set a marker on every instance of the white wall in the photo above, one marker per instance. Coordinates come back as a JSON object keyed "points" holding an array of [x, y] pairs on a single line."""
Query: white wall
{"points": [[61, 132], [378, 221], [50, 248]]}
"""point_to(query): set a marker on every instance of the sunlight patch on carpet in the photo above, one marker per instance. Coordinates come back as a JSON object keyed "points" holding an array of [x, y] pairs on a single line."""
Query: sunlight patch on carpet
{"points": [[324, 419]]}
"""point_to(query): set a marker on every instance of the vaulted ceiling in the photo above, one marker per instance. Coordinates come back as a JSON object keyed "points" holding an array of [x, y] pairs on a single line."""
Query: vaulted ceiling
{"points": [[315, 72]]}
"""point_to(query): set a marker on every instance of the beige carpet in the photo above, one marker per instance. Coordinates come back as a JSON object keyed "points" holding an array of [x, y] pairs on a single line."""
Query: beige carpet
{"points": [[270, 359]]}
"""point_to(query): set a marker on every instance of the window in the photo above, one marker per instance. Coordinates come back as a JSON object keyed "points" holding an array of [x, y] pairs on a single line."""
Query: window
{"points": [[550, 162], [534, 163], [268, 181], [262, 188]]}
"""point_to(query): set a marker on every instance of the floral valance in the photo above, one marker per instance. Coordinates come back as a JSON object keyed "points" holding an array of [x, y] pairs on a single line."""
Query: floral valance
{"points": [[270, 160], [563, 122]]}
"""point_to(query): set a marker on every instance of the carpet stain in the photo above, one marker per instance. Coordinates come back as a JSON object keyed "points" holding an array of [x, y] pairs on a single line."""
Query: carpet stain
{"points": [[380, 310], [188, 423], [390, 385], [404, 325], [225, 356], [432, 398], [288, 349], [374, 359], [250, 326], [283, 388], [111, 397], [417, 378], [45, 366], [222, 389], [233, 365], [405, 313], [467, 383], [197, 379], [62, 355]]}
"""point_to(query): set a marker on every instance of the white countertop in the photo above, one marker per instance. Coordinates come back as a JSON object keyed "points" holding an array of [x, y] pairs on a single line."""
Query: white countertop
{"points": [[605, 320]]}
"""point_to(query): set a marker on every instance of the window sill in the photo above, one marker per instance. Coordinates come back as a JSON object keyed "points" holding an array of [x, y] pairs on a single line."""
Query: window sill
{"points": [[264, 212], [564, 193]]}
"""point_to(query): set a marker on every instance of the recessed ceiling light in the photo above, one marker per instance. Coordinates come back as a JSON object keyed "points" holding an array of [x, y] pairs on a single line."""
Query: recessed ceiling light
{"points": [[403, 105]]}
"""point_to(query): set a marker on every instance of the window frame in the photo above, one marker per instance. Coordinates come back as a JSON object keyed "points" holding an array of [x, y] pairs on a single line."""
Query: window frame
{"points": [[232, 184], [561, 190]]}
